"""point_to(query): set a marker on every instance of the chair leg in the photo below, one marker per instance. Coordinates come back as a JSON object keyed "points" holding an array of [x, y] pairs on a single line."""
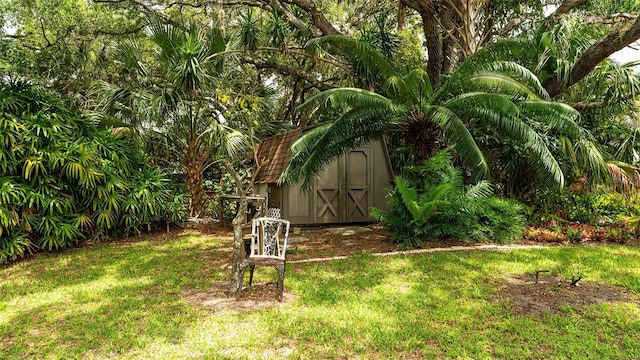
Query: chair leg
{"points": [[251, 268], [281, 283]]}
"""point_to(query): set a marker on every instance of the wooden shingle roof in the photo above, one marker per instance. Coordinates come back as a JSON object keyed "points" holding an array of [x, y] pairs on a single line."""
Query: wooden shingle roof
{"points": [[274, 153]]}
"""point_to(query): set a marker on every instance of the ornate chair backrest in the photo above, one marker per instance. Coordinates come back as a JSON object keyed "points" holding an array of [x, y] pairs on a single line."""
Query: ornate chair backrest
{"points": [[266, 241], [273, 213]]}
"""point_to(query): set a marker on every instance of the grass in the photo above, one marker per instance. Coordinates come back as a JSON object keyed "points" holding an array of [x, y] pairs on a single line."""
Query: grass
{"points": [[126, 301]]}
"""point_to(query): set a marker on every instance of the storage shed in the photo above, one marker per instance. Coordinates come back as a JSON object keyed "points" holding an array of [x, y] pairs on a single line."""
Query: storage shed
{"points": [[347, 187]]}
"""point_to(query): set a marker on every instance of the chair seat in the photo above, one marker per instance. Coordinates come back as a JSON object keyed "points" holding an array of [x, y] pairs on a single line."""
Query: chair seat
{"points": [[263, 261]]}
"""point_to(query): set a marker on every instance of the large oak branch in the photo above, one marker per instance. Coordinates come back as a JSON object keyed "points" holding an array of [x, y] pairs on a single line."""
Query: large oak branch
{"points": [[319, 20], [598, 52]]}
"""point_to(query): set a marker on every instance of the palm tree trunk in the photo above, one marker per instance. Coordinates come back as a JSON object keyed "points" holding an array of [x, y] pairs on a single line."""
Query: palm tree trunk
{"points": [[195, 158], [423, 135]]}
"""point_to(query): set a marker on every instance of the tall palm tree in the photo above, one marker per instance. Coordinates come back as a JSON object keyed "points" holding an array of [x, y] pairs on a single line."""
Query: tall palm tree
{"points": [[483, 92], [172, 95]]}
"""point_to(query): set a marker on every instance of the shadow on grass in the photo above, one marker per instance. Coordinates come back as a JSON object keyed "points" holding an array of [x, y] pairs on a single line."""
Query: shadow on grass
{"points": [[112, 297], [443, 305]]}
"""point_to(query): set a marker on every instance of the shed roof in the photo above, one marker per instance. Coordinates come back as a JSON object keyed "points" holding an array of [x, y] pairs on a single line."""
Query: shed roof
{"points": [[276, 151]]}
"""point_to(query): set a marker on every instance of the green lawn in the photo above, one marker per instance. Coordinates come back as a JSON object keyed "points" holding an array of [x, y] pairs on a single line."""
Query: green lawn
{"points": [[126, 301]]}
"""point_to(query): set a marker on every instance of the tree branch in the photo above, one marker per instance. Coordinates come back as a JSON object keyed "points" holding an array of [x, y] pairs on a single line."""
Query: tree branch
{"points": [[514, 23], [564, 8], [44, 33], [319, 20], [612, 19], [282, 51], [198, 4], [144, 7], [118, 33], [293, 20], [289, 70], [596, 53]]}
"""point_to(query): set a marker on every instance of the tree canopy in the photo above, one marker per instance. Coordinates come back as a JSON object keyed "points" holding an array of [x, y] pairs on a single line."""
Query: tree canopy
{"points": [[289, 49]]}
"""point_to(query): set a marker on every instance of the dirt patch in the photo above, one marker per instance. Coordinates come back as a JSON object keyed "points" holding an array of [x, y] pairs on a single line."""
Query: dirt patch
{"points": [[323, 243], [217, 298], [553, 293], [207, 228]]}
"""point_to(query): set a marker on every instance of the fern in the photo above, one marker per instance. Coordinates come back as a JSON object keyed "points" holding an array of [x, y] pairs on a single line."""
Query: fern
{"points": [[431, 201]]}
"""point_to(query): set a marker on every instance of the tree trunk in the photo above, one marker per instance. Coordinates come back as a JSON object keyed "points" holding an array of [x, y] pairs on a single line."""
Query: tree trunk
{"points": [[238, 242], [194, 168], [431, 29]]}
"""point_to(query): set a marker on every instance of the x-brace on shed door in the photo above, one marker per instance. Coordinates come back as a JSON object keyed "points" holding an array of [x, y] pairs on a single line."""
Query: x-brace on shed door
{"points": [[343, 193]]}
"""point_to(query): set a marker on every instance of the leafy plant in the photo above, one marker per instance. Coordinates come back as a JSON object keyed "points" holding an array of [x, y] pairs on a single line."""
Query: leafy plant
{"points": [[431, 201], [65, 180]]}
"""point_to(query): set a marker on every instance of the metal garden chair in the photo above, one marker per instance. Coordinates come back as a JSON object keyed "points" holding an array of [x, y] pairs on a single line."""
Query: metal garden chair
{"points": [[267, 248]]}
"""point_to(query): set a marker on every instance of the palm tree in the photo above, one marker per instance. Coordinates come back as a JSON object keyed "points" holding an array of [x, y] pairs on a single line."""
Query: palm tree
{"points": [[172, 96], [605, 97], [481, 93]]}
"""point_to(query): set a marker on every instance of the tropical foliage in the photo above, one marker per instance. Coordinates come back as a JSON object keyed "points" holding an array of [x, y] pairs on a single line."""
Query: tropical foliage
{"points": [[483, 96], [64, 180], [523, 92], [431, 201], [172, 96]]}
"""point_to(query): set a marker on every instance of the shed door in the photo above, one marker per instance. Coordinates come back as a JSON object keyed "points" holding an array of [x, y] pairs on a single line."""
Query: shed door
{"points": [[327, 195], [358, 180]]}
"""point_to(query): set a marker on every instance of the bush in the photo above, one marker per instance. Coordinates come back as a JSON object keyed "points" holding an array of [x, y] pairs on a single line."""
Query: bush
{"points": [[497, 219], [431, 201], [64, 180], [581, 206]]}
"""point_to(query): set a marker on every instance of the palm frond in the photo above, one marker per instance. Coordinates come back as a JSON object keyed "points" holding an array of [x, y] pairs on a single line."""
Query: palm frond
{"points": [[396, 87], [228, 143], [366, 61], [567, 148], [345, 97], [419, 83], [320, 146], [559, 116], [166, 36], [409, 197], [492, 82], [130, 55], [459, 136], [590, 158], [544, 161], [495, 108], [482, 189], [521, 74]]}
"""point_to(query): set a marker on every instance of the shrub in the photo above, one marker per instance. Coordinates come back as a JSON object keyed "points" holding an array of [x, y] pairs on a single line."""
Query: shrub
{"points": [[431, 201], [581, 206], [64, 180]]}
